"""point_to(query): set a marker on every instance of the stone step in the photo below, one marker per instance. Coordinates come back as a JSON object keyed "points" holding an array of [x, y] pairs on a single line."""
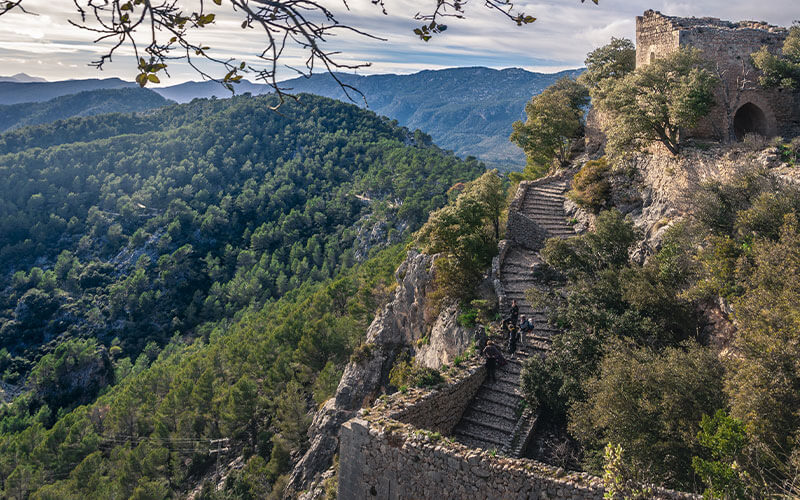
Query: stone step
{"points": [[549, 218], [494, 422], [503, 387], [548, 188], [541, 194], [519, 261], [534, 213], [486, 394], [543, 204], [486, 406], [507, 376], [554, 226], [477, 430], [544, 193], [478, 438], [514, 275], [562, 224]]}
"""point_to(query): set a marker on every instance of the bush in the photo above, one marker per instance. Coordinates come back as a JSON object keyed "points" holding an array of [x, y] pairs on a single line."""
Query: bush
{"points": [[406, 373], [651, 403], [468, 318], [590, 186], [361, 354]]}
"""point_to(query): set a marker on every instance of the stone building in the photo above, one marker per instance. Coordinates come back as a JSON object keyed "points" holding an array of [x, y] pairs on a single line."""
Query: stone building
{"points": [[743, 107]]}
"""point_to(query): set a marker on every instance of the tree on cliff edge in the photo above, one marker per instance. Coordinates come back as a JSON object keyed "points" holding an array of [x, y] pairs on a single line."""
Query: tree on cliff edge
{"points": [[466, 233], [555, 120], [656, 101]]}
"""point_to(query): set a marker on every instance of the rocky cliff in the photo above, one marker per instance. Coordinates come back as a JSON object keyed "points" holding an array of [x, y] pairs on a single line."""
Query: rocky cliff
{"points": [[397, 328]]}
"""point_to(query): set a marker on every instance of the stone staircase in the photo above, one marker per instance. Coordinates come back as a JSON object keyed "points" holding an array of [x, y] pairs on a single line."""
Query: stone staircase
{"points": [[496, 417]]}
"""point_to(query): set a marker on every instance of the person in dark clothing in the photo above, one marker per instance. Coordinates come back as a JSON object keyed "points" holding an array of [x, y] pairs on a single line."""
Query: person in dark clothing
{"points": [[513, 338], [480, 337], [514, 313], [525, 327], [494, 358]]}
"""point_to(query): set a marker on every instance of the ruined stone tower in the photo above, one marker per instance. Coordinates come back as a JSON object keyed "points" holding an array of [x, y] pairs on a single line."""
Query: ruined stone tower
{"points": [[743, 107]]}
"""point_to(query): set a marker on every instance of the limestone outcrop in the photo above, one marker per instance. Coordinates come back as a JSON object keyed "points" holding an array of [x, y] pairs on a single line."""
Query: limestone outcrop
{"points": [[397, 328]]}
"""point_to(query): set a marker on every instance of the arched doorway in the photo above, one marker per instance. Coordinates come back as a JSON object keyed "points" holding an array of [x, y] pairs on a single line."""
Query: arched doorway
{"points": [[749, 119]]}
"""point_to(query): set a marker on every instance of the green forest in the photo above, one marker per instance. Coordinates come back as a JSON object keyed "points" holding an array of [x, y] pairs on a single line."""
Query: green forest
{"points": [[195, 272]]}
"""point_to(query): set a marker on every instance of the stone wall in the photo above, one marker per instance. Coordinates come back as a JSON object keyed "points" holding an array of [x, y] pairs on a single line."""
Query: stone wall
{"points": [[397, 328], [521, 229], [399, 450], [524, 231], [440, 411], [727, 46]]}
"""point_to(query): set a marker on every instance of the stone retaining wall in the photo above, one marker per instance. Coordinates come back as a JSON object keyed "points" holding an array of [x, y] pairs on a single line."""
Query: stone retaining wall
{"points": [[524, 231], [440, 411], [398, 450]]}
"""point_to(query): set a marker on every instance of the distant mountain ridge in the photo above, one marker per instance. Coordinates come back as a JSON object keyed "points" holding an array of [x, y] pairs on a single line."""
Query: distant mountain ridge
{"points": [[86, 103], [21, 78], [467, 110], [20, 92]]}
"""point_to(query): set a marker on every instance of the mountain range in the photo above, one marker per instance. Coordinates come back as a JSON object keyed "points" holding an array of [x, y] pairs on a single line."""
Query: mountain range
{"points": [[466, 110], [86, 103], [21, 77]]}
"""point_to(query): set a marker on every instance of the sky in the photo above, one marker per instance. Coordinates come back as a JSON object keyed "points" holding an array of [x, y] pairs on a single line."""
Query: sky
{"points": [[47, 46]]}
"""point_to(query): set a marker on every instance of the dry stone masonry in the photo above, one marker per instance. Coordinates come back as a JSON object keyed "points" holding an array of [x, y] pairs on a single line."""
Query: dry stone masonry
{"points": [[399, 449], [742, 105]]}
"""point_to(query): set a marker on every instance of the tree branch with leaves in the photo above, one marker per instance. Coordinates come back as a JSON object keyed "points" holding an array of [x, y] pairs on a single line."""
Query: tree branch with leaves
{"points": [[161, 32]]}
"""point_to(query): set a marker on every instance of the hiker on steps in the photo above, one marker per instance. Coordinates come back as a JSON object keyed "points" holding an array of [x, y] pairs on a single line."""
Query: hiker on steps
{"points": [[525, 327], [514, 314], [513, 337], [494, 358]]}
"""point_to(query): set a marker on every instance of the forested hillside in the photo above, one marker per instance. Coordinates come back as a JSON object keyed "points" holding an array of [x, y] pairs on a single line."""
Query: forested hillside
{"points": [[468, 110], [161, 229], [87, 103]]}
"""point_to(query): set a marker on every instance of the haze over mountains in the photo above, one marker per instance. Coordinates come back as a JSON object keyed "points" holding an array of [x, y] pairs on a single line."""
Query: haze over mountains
{"points": [[21, 77], [86, 103], [467, 110]]}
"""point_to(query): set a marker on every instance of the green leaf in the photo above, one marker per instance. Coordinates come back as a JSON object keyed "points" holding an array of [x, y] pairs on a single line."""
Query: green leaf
{"points": [[153, 78], [141, 79]]}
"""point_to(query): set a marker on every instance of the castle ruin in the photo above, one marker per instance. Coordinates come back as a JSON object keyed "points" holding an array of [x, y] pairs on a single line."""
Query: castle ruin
{"points": [[743, 106]]}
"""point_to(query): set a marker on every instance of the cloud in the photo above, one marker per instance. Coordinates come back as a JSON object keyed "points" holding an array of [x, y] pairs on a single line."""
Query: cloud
{"points": [[564, 32]]}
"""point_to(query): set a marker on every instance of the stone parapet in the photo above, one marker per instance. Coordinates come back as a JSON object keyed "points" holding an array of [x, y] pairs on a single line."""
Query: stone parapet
{"points": [[524, 231], [399, 450]]}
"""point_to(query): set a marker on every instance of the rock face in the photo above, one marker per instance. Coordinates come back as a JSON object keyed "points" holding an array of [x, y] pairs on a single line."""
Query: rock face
{"points": [[397, 328], [447, 340]]}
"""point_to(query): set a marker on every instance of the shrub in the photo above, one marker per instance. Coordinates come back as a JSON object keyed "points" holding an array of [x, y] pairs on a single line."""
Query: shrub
{"points": [[362, 353], [590, 187], [468, 317], [406, 373]]}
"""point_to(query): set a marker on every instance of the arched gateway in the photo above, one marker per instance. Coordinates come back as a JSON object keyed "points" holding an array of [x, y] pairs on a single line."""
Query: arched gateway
{"points": [[750, 119]]}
